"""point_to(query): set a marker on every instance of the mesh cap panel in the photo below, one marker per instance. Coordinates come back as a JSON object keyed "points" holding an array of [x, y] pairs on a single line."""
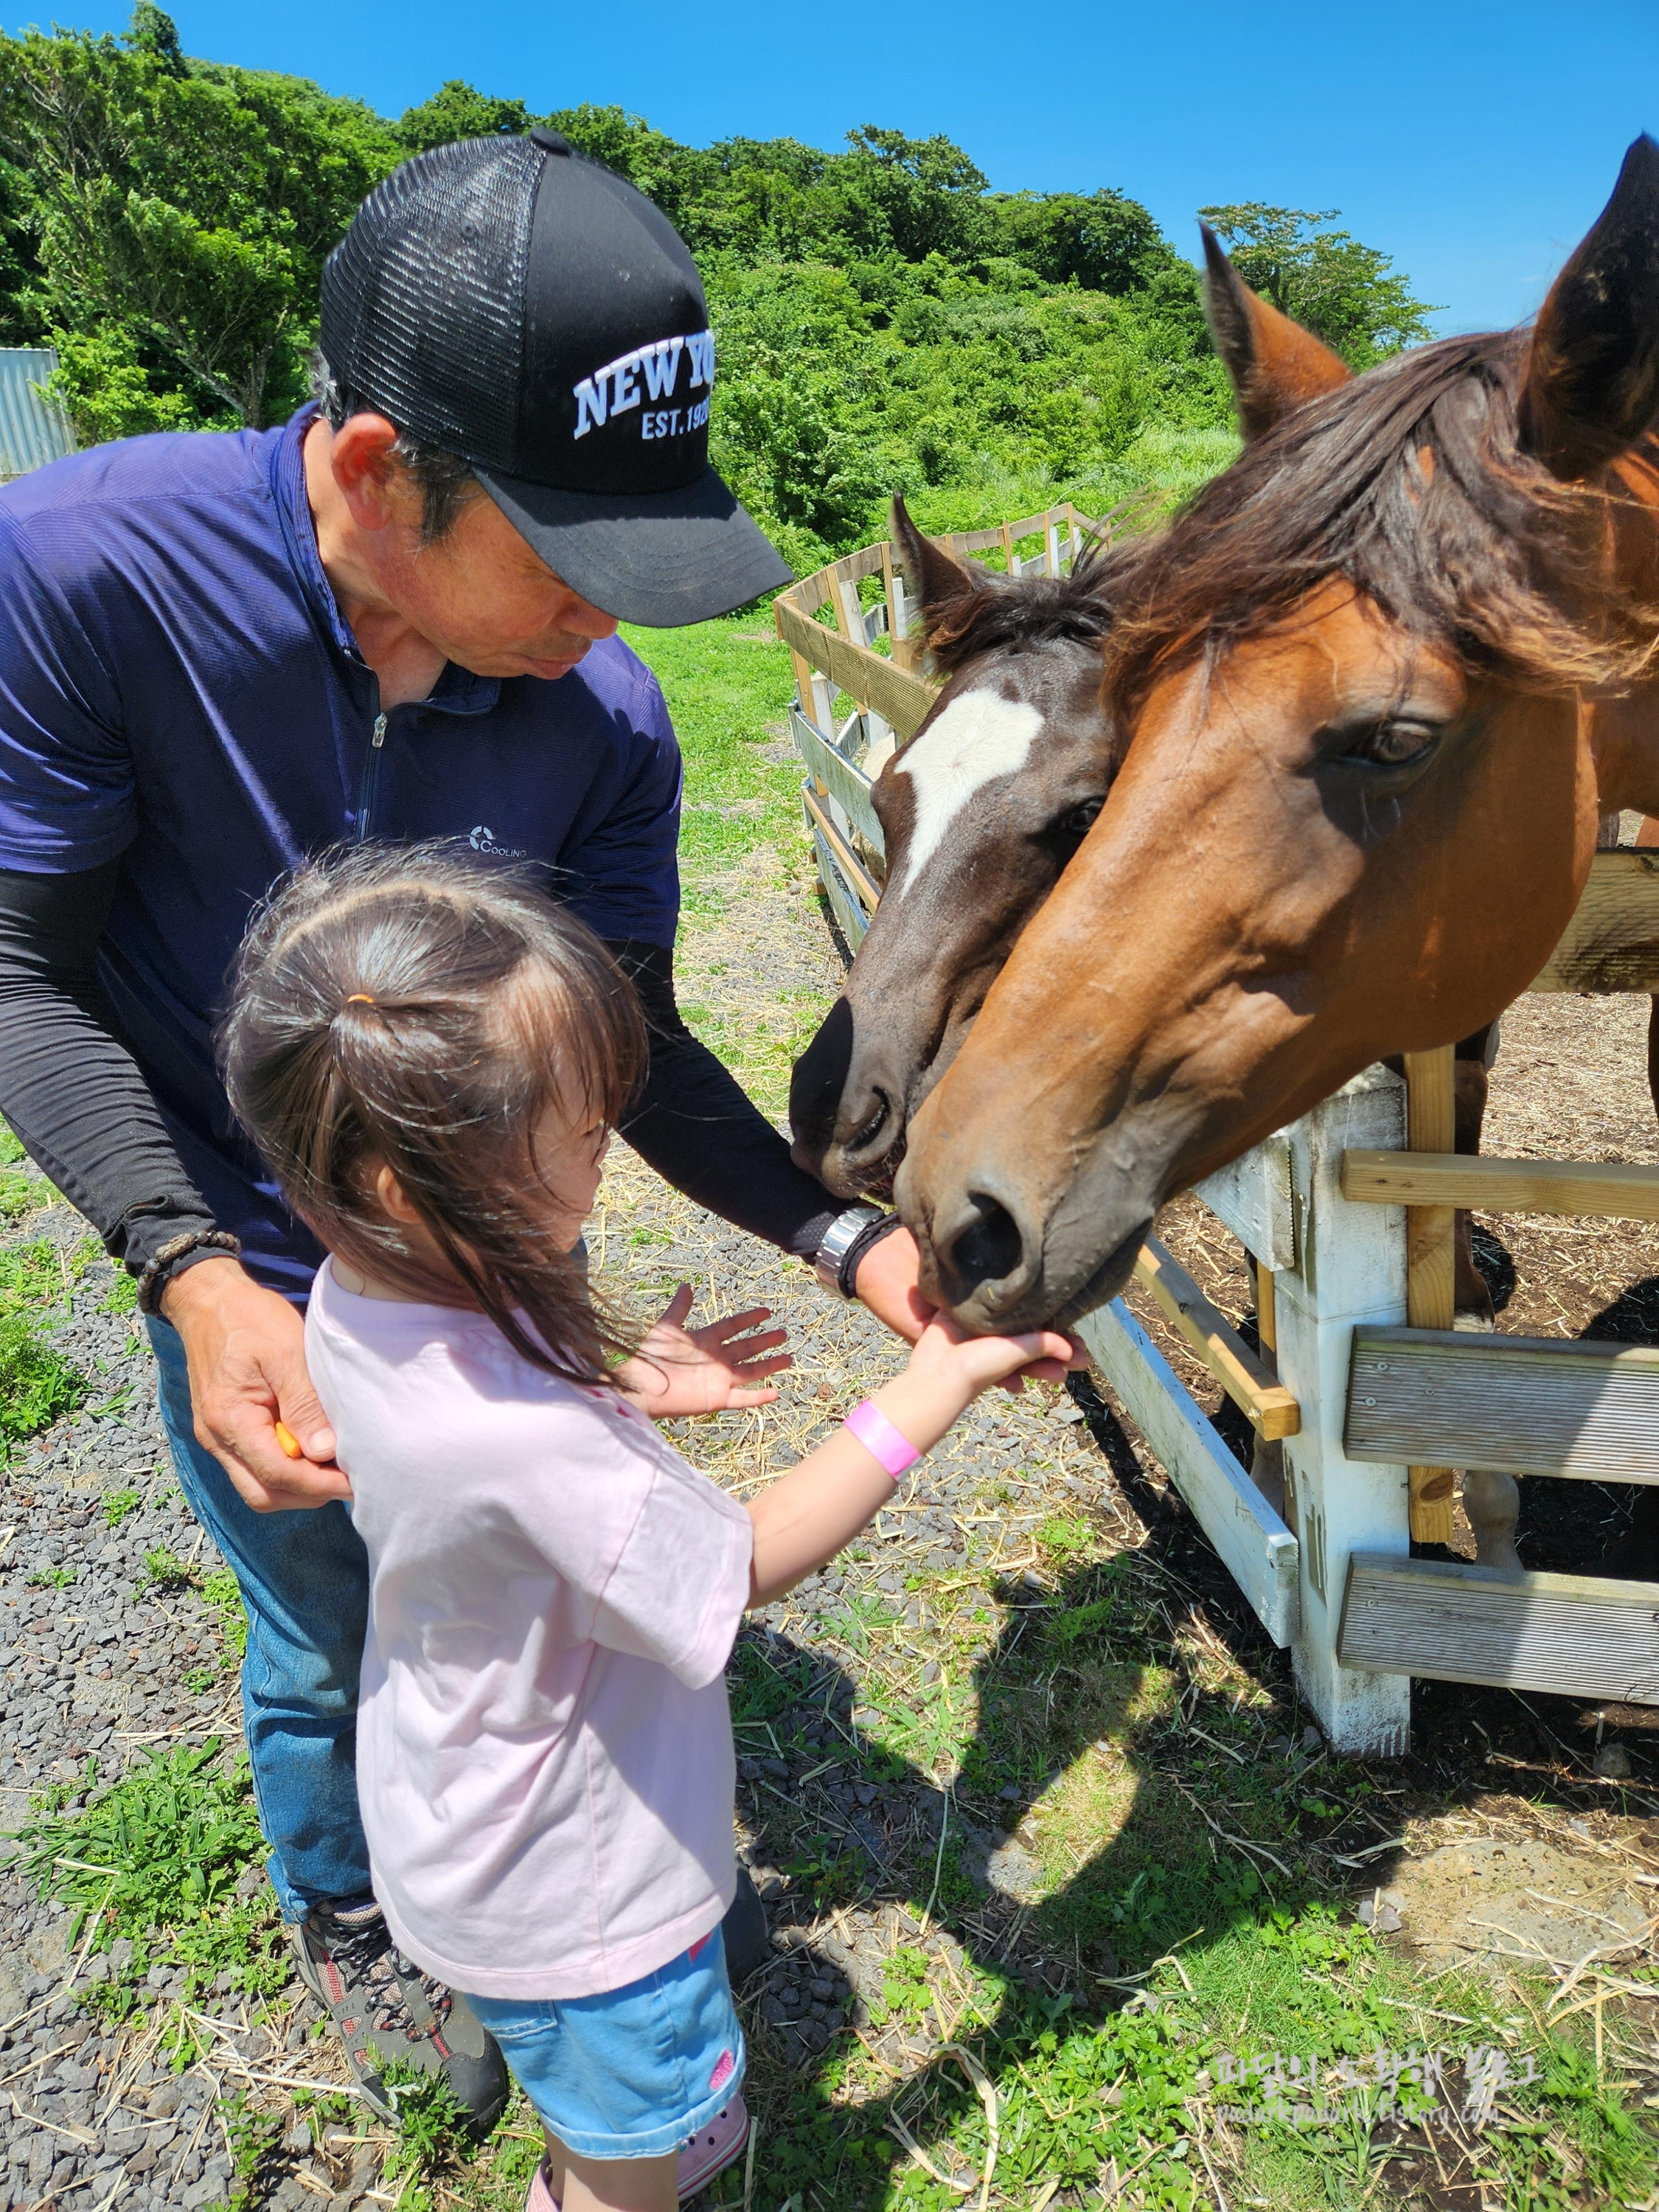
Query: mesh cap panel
{"points": [[423, 300]]}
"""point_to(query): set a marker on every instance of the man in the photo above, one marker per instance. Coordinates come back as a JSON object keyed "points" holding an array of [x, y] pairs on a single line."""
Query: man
{"points": [[395, 618]]}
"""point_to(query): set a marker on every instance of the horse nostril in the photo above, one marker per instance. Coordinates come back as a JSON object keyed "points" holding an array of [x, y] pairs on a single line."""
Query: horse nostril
{"points": [[991, 1247]]}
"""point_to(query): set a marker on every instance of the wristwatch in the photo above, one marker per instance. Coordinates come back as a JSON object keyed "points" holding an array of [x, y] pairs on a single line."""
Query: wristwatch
{"points": [[828, 1262]]}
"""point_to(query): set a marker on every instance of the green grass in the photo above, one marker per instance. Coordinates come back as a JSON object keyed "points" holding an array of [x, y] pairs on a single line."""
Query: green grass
{"points": [[434, 2137], [156, 1858], [251, 2137], [37, 1385], [17, 1196], [728, 685], [221, 1590], [30, 1275], [725, 682], [118, 1504], [165, 1570]]}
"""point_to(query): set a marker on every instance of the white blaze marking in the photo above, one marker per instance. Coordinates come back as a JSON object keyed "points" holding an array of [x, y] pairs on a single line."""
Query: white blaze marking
{"points": [[977, 738]]}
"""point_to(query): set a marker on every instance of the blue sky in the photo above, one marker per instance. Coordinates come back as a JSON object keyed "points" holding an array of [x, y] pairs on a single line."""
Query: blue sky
{"points": [[1474, 142]]}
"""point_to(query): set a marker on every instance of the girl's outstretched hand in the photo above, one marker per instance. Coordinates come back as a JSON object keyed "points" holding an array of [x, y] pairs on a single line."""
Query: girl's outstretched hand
{"points": [[957, 1366], [678, 1370]]}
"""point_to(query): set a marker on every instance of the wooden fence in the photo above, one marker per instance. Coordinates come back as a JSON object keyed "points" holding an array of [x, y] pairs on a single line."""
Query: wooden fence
{"points": [[1347, 1219]]}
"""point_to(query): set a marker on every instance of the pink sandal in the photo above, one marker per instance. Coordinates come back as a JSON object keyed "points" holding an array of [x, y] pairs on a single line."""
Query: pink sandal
{"points": [[713, 2148], [708, 2153]]}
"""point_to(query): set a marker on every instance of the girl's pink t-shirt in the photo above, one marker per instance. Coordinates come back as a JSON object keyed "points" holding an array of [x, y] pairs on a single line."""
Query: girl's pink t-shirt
{"points": [[543, 1745]]}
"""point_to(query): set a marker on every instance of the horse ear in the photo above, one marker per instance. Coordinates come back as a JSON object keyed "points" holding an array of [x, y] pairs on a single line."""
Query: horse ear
{"points": [[940, 584], [1591, 384], [1274, 364]]}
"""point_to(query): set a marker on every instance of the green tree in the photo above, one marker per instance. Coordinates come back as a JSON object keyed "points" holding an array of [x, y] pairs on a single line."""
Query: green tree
{"points": [[1103, 241], [156, 34], [456, 111], [1347, 294], [916, 196], [180, 217]]}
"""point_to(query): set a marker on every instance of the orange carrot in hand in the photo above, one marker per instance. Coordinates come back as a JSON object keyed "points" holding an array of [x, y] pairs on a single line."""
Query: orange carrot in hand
{"points": [[289, 1443]]}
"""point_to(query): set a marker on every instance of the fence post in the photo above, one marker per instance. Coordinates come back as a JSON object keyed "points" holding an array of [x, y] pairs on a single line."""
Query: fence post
{"points": [[1349, 1269], [1051, 538], [1431, 1260], [890, 591], [849, 616]]}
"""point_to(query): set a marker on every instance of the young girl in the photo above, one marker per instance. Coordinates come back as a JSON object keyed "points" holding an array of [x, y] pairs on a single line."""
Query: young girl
{"points": [[432, 1056]]}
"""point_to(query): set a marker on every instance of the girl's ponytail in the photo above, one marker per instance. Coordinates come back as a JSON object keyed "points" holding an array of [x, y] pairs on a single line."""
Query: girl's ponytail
{"points": [[423, 1010]]}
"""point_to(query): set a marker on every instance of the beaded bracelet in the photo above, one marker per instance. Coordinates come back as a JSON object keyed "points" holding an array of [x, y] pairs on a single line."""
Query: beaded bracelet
{"points": [[155, 1277]]}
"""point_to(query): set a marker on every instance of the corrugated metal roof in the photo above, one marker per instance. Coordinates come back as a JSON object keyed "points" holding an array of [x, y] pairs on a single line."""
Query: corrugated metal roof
{"points": [[32, 428]]}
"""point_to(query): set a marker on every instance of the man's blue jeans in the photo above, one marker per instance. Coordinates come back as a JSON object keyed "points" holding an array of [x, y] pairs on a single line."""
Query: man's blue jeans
{"points": [[305, 1583]]}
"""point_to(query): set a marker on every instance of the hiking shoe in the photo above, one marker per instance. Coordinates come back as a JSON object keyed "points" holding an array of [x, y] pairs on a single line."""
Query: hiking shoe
{"points": [[387, 2013], [700, 2158]]}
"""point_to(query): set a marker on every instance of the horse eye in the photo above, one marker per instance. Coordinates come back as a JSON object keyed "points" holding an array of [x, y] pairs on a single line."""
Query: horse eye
{"points": [[1081, 819], [1394, 744]]}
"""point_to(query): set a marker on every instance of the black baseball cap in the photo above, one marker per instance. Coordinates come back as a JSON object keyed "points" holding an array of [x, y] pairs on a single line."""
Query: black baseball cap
{"points": [[506, 300]]}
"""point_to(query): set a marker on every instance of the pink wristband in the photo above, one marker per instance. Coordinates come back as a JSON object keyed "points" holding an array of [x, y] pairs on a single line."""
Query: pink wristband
{"points": [[877, 1434]]}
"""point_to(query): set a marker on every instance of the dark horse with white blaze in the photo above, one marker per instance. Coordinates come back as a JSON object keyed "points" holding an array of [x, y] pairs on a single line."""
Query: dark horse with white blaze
{"points": [[980, 812], [1381, 679]]}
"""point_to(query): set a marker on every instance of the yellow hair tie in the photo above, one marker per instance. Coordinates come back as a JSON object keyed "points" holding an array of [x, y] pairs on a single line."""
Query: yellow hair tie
{"points": [[360, 999]]}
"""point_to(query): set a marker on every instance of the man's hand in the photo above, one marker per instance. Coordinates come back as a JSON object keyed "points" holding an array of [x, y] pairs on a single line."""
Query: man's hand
{"points": [[246, 1348], [887, 1282], [680, 1371]]}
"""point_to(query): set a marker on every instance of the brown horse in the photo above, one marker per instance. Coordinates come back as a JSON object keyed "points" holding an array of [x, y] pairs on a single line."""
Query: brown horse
{"points": [[1381, 677], [980, 812], [937, 945]]}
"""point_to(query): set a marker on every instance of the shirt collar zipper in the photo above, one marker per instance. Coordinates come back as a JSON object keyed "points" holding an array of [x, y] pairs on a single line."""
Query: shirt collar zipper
{"points": [[371, 770]]}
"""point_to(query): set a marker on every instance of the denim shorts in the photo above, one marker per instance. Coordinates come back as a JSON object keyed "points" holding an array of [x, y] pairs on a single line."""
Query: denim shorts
{"points": [[633, 2073]]}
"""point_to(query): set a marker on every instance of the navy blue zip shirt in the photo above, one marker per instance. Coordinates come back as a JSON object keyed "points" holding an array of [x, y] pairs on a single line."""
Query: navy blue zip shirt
{"points": [[179, 692]]}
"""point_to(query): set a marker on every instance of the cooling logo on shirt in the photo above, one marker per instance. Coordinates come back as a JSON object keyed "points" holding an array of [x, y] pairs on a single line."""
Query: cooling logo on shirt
{"points": [[481, 838], [650, 374]]}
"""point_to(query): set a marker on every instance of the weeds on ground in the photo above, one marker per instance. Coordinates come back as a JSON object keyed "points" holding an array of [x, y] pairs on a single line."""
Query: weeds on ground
{"points": [[434, 2138], [122, 1296], [155, 1859], [118, 1504], [165, 1570], [1126, 1754], [19, 1194], [165, 1573], [222, 1592], [31, 1276], [251, 2137], [37, 1385]]}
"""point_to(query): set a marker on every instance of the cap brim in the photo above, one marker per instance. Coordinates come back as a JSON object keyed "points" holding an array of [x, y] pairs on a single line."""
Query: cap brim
{"points": [[659, 558]]}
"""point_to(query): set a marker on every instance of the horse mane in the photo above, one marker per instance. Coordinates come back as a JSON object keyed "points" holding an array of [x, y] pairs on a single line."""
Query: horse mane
{"points": [[1410, 483], [1002, 614]]}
